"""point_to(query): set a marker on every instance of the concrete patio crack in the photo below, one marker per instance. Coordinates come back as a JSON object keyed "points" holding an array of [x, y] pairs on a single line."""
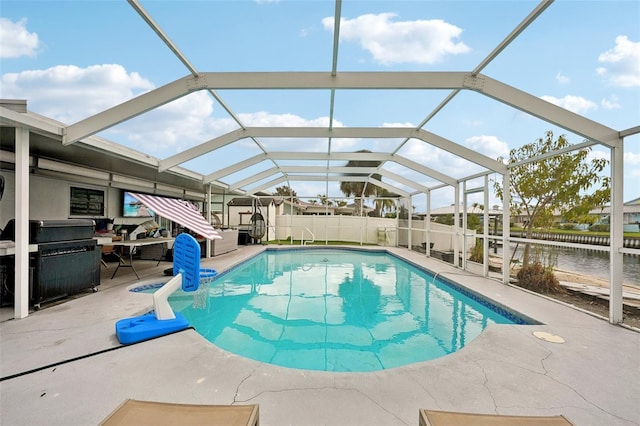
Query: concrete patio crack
{"points": [[484, 384], [547, 374], [585, 399], [274, 391], [235, 395]]}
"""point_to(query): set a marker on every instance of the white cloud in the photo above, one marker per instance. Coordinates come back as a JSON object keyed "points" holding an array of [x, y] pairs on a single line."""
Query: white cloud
{"points": [[576, 104], [632, 166], [611, 103], [562, 79], [632, 159], [389, 42], [69, 93], [190, 121], [437, 159], [16, 40], [623, 63], [490, 146], [175, 126], [598, 154], [403, 125], [265, 119]]}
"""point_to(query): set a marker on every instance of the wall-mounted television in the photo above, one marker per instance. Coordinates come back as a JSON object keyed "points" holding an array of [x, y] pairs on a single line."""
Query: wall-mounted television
{"points": [[131, 207]]}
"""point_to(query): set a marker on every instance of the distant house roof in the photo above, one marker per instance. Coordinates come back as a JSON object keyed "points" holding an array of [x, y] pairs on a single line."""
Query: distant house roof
{"points": [[470, 210], [632, 206], [626, 208], [635, 202], [248, 202]]}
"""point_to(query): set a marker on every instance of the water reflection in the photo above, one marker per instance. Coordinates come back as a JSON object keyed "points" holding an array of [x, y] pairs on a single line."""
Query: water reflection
{"points": [[586, 262], [336, 310], [360, 299]]}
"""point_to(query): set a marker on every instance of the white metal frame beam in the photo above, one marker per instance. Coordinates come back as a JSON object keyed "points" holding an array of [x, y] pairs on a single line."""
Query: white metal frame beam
{"points": [[335, 156], [321, 173], [544, 110], [234, 167], [11, 118], [127, 110], [286, 132], [345, 80], [306, 178], [343, 132]]}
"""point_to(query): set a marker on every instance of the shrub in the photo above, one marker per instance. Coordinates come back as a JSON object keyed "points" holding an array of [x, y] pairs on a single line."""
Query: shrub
{"points": [[536, 277], [477, 252], [599, 227]]}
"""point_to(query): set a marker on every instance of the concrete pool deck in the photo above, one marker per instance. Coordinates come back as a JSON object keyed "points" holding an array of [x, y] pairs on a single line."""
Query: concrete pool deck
{"points": [[593, 378]]}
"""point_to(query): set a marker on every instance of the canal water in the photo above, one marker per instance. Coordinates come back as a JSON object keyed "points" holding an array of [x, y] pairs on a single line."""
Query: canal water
{"points": [[584, 261]]}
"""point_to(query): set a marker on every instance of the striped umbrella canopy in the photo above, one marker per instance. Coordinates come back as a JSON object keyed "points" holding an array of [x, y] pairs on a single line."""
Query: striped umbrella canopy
{"points": [[179, 211]]}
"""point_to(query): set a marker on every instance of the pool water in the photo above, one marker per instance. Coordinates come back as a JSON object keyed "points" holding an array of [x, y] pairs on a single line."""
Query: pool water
{"points": [[335, 310]]}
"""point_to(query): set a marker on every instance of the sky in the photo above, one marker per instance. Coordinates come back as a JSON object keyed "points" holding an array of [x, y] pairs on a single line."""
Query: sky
{"points": [[72, 59]]}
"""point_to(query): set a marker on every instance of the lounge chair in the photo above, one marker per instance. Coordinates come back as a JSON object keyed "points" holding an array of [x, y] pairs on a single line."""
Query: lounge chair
{"points": [[133, 412], [451, 418]]}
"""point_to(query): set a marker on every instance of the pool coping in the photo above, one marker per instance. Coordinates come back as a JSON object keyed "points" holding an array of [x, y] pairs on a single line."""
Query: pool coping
{"points": [[505, 370]]}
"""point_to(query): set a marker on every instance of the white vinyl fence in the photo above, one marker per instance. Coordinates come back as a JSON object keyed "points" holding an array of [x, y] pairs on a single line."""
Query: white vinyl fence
{"points": [[367, 230]]}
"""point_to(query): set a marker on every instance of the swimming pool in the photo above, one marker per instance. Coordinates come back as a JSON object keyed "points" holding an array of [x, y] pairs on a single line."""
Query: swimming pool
{"points": [[336, 310]]}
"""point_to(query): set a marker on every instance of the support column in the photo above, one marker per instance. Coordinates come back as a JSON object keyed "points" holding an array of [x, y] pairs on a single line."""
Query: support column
{"points": [[616, 234], [506, 222], [208, 197], [428, 225], [21, 290], [456, 225], [485, 229], [465, 208], [410, 210]]}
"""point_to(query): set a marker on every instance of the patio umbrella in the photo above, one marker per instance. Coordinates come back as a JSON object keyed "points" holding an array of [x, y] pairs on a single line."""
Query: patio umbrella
{"points": [[179, 211]]}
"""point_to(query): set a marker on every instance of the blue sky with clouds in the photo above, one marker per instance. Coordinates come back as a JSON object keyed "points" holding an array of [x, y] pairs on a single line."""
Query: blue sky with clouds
{"points": [[72, 59]]}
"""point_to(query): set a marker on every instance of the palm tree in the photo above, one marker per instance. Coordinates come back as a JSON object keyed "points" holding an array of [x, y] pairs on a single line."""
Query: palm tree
{"points": [[324, 200], [360, 189], [384, 202]]}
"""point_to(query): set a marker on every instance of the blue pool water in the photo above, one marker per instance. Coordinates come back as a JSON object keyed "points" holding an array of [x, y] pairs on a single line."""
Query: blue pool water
{"points": [[336, 310]]}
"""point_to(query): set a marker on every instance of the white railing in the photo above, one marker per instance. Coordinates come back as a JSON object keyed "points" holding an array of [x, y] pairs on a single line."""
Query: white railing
{"points": [[312, 240]]}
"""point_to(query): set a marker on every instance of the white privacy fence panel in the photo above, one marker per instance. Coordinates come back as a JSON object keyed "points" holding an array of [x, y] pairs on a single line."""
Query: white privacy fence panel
{"points": [[356, 229], [441, 236], [367, 230]]}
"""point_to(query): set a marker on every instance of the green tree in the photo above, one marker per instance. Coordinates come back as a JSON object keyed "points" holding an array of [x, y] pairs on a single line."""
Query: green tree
{"points": [[286, 192], [473, 219], [384, 202], [473, 222], [324, 200], [567, 183], [445, 219], [360, 189]]}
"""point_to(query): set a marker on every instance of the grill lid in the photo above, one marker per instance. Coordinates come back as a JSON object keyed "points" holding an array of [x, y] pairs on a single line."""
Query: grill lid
{"points": [[45, 231]]}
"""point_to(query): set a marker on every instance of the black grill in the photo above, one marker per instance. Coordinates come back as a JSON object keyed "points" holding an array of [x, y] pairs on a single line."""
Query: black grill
{"points": [[67, 260]]}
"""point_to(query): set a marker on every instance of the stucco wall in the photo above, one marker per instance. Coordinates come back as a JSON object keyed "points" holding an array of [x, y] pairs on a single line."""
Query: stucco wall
{"points": [[49, 198]]}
